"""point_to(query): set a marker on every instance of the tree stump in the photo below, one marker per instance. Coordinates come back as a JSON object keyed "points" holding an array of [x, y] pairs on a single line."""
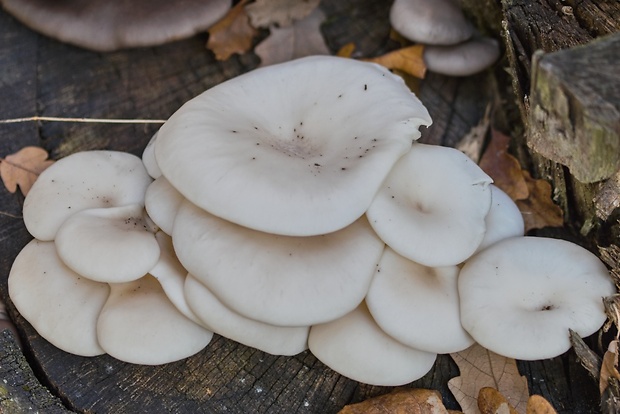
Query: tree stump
{"points": [[43, 77]]}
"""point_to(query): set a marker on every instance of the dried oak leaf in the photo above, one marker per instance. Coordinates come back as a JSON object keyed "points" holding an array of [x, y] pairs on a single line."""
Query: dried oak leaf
{"points": [[233, 34], [346, 50], [482, 368], [22, 168], [266, 13], [402, 401], [491, 401], [538, 209], [303, 38], [503, 168], [532, 196], [609, 368], [408, 60], [539, 405]]}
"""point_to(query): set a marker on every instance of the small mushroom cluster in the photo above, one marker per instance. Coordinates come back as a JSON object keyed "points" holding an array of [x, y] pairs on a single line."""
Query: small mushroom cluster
{"points": [[88, 282], [452, 45], [303, 215]]}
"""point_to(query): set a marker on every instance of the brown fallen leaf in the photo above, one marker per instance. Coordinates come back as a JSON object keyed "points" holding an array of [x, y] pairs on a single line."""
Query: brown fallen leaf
{"points": [[609, 368], [538, 209], [539, 405], [346, 51], [532, 196], [266, 13], [303, 38], [503, 167], [491, 401], [408, 60], [480, 368], [22, 168], [233, 34], [402, 401]]}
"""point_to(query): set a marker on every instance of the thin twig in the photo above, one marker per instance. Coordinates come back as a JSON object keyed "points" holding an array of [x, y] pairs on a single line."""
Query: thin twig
{"points": [[82, 120], [4, 213]]}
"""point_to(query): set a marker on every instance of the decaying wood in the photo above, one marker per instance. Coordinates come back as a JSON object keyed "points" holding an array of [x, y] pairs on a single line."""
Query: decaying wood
{"points": [[574, 117], [539, 28], [20, 391]]}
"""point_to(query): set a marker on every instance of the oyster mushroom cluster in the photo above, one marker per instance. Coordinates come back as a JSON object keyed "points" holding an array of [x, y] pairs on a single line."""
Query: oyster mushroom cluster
{"points": [[290, 208]]}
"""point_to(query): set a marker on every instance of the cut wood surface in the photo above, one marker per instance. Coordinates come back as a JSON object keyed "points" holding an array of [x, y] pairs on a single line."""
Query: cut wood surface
{"points": [[43, 77]]}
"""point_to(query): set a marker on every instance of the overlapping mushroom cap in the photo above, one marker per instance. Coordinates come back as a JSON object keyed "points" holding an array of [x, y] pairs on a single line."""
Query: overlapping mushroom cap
{"points": [[88, 288], [520, 296], [432, 207], [297, 149], [280, 280]]}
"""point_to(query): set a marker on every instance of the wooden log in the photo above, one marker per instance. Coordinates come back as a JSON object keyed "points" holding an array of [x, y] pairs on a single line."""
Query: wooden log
{"points": [[20, 391], [574, 116], [539, 26]]}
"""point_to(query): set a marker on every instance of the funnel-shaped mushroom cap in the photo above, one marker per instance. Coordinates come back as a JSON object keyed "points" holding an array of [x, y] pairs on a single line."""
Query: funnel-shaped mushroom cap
{"points": [[138, 324], [432, 22], [357, 348], [111, 25], [297, 149], [171, 275], [520, 296], [418, 305], [60, 304], [110, 245], [162, 202], [89, 179], [275, 340], [463, 59], [503, 221], [280, 280], [432, 206]]}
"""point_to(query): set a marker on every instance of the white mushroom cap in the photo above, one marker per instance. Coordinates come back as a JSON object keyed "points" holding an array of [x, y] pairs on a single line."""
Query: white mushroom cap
{"points": [[110, 245], [171, 275], [275, 340], [354, 346], [432, 206], [90, 179], [112, 25], [298, 149], [462, 59], [280, 280], [418, 305], [504, 219], [148, 158], [520, 296], [138, 324], [432, 22], [60, 304], [162, 202]]}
